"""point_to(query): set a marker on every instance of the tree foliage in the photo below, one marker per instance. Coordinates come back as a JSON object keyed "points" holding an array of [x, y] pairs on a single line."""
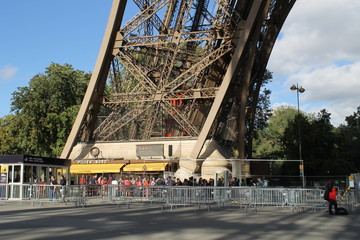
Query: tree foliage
{"points": [[349, 140], [258, 115], [268, 143], [44, 111], [9, 135], [326, 150], [263, 108], [318, 143]]}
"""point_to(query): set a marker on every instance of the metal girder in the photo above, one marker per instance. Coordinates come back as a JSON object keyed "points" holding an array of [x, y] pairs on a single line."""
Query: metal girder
{"points": [[202, 64], [199, 93], [174, 47], [180, 118], [116, 121], [151, 122], [242, 37], [137, 70], [277, 13], [154, 19], [228, 10], [143, 16]]}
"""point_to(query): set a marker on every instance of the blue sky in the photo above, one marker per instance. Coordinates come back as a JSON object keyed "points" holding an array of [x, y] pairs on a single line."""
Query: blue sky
{"points": [[319, 52], [36, 33]]}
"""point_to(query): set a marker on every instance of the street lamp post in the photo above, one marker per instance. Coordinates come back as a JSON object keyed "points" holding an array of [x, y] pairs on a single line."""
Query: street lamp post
{"points": [[299, 90]]}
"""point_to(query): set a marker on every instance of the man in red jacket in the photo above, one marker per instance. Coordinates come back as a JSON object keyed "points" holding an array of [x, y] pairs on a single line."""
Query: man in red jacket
{"points": [[332, 198]]}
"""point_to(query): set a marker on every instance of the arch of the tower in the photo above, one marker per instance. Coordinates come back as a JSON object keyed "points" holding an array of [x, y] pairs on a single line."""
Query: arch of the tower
{"points": [[181, 74]]}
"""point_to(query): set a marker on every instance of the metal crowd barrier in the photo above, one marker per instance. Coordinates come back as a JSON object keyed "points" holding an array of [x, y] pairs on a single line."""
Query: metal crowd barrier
{"points": [[41, 193], [173, 196], [246, 197]]}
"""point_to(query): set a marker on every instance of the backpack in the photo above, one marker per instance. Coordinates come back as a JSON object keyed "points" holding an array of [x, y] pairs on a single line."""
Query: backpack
{"points": [[327, 191], [342, 211], [326, 194]]}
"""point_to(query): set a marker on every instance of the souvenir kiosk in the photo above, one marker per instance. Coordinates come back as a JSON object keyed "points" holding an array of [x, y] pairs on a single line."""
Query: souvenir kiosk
{"points": [[19, 170]]}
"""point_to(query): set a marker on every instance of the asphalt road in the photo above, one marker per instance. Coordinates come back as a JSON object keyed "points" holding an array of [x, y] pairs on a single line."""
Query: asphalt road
{"points": [[24, 221]]}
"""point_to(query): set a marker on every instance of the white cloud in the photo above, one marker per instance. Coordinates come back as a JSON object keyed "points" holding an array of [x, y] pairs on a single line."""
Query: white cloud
{"points": [[7, 72], [317, 33], [338, 111], [331, 83], [334, 88], [319, 49]]}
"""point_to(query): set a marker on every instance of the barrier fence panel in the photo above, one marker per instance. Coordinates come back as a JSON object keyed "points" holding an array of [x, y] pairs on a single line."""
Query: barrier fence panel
{"points": [[40, 193], [347, 200], [4, 191], [198, 196]]}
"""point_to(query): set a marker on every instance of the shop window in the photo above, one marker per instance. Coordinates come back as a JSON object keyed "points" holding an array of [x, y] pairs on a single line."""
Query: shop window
{"points": [[17, 172]]}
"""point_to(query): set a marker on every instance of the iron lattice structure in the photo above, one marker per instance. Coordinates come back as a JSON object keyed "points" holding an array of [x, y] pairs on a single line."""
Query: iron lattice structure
{"points": [[180, 69]]}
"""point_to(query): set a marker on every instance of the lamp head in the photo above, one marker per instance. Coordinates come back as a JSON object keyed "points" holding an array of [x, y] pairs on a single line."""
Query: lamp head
{"points": [[301, 89], [293, 87]]}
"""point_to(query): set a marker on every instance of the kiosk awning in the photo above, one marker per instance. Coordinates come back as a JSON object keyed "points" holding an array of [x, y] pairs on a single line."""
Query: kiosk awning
{"points": [[96, 168], [145, 167]]}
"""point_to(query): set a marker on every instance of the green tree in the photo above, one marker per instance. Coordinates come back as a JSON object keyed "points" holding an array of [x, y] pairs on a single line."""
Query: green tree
{"points": [[321, 146], [349, 141], [45, 110], [9, 132], [258, 111], [353, 121], [268, 143]]}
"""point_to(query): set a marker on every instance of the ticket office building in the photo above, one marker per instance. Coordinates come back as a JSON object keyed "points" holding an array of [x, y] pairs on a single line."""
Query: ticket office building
{"points": [[16, 170]]}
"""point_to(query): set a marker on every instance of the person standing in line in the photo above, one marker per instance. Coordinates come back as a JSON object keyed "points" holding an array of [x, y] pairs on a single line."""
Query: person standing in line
{"points": [[169, 181], [128, 187], [82, 180], [99, 180], [266, 183], [104, 187], [178, 182], [63, 187], [92, 183], [332, 197], [152, 182], [243, 183], [52, 187], [259, 182]]}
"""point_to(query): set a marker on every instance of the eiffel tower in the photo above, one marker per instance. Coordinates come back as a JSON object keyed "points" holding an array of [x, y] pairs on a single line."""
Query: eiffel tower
{"points": [[184, 75]]}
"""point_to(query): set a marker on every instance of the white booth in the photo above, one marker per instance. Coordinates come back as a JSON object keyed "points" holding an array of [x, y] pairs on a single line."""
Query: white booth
{"points": [[17, 170]]}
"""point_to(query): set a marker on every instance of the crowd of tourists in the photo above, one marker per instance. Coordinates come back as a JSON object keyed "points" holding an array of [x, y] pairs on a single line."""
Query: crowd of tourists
{"points": [[169, 181]]}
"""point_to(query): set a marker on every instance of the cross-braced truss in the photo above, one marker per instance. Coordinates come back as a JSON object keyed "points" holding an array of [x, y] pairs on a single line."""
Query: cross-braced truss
{"points": [[169, 65]]}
